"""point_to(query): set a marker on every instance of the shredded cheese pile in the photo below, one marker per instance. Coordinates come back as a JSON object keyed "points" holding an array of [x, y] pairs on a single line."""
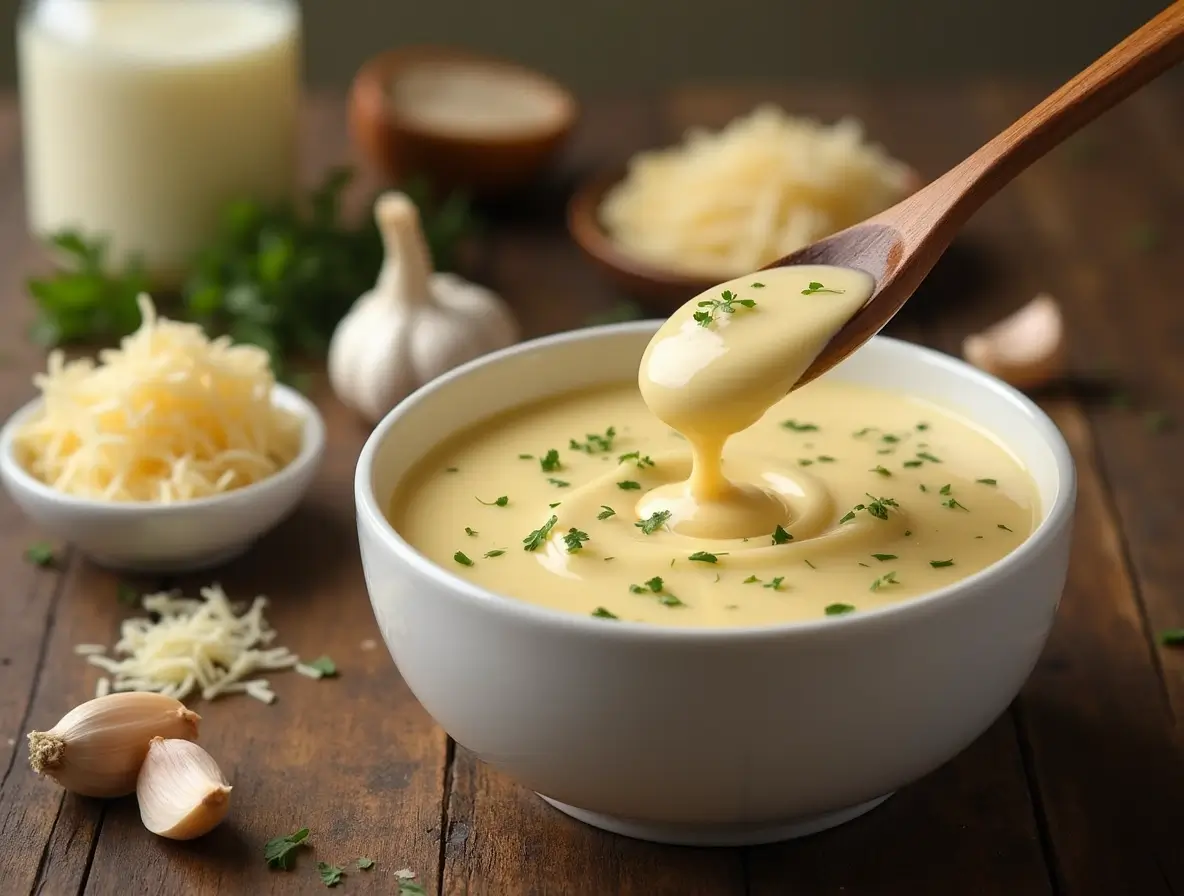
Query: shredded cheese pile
{"points": [[766, 185], [206, 645], [168, 416]]}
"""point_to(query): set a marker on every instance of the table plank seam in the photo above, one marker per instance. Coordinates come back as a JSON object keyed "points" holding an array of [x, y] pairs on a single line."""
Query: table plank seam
{"points": [[94, 847], [1036, 798], [445, 799], [42, 861]]}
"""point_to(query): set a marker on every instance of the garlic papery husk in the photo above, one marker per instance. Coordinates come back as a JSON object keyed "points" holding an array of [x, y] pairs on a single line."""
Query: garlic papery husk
{"points": [[414, 325], [181, 791], [97, 748], [1025, 349]]}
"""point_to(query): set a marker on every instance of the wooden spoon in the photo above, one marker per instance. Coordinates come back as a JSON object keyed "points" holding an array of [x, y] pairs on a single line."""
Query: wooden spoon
{"points": [[900, 245]]}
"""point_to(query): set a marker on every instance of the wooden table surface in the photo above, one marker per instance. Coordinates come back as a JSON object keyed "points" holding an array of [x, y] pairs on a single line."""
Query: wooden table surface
{"points": [[1077, 789]]}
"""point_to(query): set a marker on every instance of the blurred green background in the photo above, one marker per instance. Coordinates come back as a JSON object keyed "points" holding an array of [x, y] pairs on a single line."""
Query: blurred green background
{"points": [[613, 45]]}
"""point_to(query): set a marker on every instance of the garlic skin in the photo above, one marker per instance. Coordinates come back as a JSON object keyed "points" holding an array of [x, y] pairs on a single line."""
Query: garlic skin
{"points": [[414, 325], [1026, 349], [97, 748], [181, 791]]}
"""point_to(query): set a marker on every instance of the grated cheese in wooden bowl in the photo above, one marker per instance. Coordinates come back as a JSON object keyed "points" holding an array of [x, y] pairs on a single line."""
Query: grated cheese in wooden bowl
{"points": [[170, 415]]}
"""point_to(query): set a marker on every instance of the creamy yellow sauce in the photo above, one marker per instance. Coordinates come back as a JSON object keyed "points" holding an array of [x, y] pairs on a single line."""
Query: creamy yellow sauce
{"points": [[837, 498]]}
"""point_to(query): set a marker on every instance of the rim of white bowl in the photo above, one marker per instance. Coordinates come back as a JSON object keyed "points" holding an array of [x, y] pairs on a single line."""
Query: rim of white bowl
{"points": [[366, 504], [312, 446]]}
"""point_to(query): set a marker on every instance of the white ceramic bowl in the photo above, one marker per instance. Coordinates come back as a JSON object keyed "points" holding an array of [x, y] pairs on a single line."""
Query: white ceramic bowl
{"points": [[167, 538], [731, 736]]}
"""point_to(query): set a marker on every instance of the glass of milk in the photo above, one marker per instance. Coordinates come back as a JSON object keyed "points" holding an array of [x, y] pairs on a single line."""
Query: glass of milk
{"points": [[144, 118]]}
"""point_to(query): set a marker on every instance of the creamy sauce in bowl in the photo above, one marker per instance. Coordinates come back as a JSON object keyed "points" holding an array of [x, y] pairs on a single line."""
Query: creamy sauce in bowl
{"points": [[705, 496]]}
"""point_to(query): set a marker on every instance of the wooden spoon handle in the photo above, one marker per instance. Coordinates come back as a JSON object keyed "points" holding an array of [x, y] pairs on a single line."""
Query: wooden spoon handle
{"points": [[1143, 56]]}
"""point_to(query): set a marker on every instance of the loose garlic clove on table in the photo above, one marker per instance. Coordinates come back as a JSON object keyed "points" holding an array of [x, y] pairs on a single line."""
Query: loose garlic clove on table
{"points": [[1026, 349], [97, 748], [181, 791]]}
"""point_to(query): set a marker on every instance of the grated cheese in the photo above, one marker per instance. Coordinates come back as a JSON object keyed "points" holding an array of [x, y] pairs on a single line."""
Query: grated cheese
{"points": [[204, 645], [732, 201], [168, 416]]}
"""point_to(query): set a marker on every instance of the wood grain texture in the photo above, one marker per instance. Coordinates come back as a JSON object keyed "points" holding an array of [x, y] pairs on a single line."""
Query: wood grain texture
{"points": [[1075, 791]]}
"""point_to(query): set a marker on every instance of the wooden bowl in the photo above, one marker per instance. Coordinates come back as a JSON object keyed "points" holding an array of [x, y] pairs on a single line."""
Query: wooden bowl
{"points": [[661, 289], [399, 119]]}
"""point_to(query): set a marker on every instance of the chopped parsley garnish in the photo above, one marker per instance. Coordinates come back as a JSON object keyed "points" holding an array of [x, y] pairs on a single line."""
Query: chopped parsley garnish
{"points": [[954, 504], [811, 565], [882, 470], [532, 541], [1003, 527], [886, 451], [774, 584], [642, 460], [499, 501], [365, 863], [602, 613], [938, 564], [496, 552], [795, 426], [605, 512], [656, 586], [925, 455], [526, 457], [331, 875], [473, 533], [921, 427], [859, 434], [1172, 637], [922, 487], [825, 459], [944, 490], [407, 884], [838, 609], [653, 522], [669, 600], [558, 483], [986, 481], [550, 461], [40, 554], [815, 287], [913, 463], [462, 558], [908, 532], [574, 539], [595, 443], [757, 285], [280, 852], [629, 485], [805, 462], [705, 557], [883, 557], [780, 536], [750, 580], [554, 504], [725, 304], [884, 581], [889, 438]]}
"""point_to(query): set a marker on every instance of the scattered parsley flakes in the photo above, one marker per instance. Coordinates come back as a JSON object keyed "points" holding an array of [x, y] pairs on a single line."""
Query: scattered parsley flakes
{"points": [[922, 487], [838, 609], [365, 863], [954, 504], [938, 564], [496, 552], [499, 501], [705, 557], [725, 304], [40, 554], [1172, 637], [944, 490], [550, 461], [878, 507], [811, 565], [986, 481], [925, 455], [526, 457], [595, 443], [629, 485], [757, 285], [532, 541], [653, 522], [825, 459], [815, 287], [642, 460], [322, 667], [1003, 527], [750, 580], [780, 536], [667, 599], [331, 875], [602, 613], [921, 427], [884, 581], [280, 852], [461, 558], [605, 512], [558, 483], [472, 533], [554, 504], [805, 462], [889, 438], [774, 584], [574, 539], [658, 587], [859, 434], [795, 426], [883, 557], [913, 463], [882, 470], [408, 886], [908, 532]]}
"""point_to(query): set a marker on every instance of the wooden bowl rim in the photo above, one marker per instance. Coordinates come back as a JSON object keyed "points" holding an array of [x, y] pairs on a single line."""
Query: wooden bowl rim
{"points": [[379, 70]]}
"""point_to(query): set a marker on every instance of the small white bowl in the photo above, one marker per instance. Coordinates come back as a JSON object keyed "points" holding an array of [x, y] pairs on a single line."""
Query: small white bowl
{"points": [[711, 737], [167, 538]]}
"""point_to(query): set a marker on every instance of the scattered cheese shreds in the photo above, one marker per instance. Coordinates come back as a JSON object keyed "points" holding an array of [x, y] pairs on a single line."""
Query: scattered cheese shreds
{"points": [[170, 415], [205, 645], [103, 687]]}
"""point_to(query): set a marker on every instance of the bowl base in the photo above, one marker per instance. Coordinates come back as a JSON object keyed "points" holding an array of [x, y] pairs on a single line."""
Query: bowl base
{"points": [[717, 834], [170, 565]]}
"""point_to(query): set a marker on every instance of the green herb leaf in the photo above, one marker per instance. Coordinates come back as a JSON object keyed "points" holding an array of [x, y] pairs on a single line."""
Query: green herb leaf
{"points": [[1172, 637], [280, 852], [40, 554], [574, 539], [883, 471], [921, 427], [532, 541], [816, 287], [642, 460], [550, 461], [825, 459], [471, 532], [605, 512], [780, 536], [838, 609], [324, 665], [653, 522], [705, 557], [953, 504], [725, 304], [499, 501], [407, 884], [496, 552], [944, 490], [331, 875], [884, 581], [795, 426], [883, 557], [925, 455], [774, 584], [461, 558], [526, 457], [750, 580], [595, 443], [1003, 527], [986, 481], [602, 613], [559, 483], [629, 485], [757, 285], [913, 463], [365, 863], [938, 564]]}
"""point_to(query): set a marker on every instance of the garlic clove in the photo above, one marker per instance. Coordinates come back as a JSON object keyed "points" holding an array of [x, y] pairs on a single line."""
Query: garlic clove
{"points": [[1026, 349], [96, 749], [181, 791]]}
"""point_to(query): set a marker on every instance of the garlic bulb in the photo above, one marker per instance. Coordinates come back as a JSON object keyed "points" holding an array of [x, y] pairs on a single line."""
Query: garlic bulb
{"points": [[414, 325], [1026, 349], [97, 748], [181, 791]]}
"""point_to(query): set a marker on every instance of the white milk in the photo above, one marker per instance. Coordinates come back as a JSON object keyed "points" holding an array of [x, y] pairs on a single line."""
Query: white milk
{"points": [[143, 118]]}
